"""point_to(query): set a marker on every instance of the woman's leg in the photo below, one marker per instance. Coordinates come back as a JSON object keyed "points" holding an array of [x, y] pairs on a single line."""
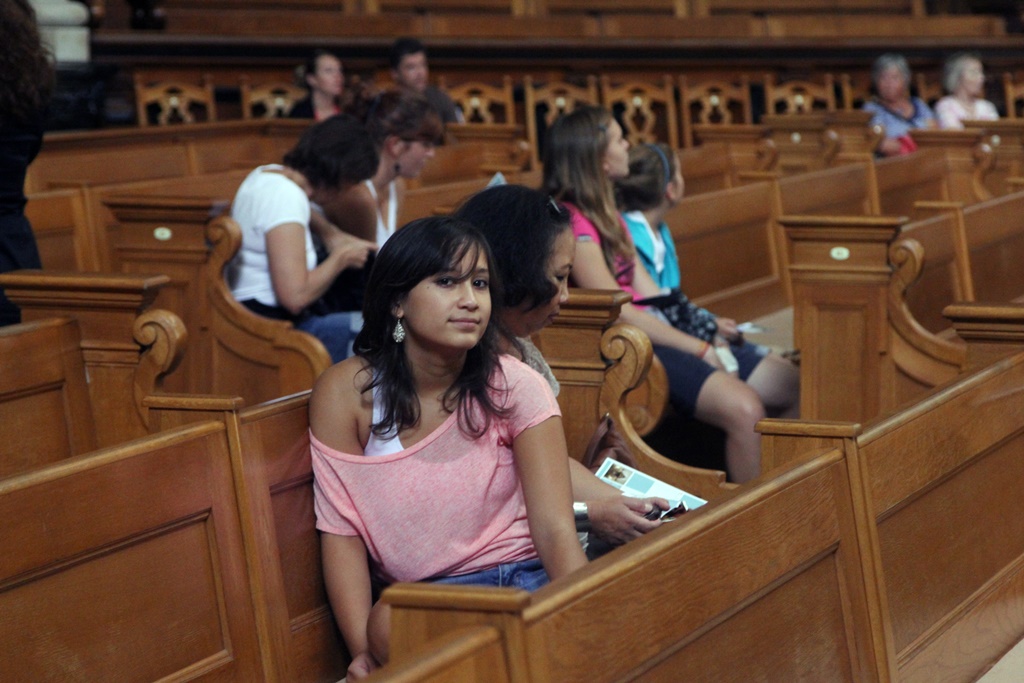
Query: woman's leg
{"points": [[777, 381], [734, 407], [719, 399]]}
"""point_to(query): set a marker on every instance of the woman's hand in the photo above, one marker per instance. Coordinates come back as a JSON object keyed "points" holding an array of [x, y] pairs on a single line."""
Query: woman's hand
{"points": [[352, 251], [710, 356], [729, 330], [621, 519]]}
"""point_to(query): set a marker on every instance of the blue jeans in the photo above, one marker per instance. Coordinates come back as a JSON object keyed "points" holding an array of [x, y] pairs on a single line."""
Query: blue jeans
{"points": [[337, 331], [528, 575]]}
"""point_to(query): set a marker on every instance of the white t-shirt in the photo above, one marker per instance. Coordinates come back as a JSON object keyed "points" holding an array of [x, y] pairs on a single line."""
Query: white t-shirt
{"points": [[265, 200], [385, 227]]}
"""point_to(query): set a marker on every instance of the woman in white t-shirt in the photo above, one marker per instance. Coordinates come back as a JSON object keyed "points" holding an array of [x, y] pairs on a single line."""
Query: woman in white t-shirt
{"points": [[275, 272], [434, 457]]}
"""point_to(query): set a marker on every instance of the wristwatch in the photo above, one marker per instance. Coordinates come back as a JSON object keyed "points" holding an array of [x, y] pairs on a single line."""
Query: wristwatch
{"points": [[582, 516]]}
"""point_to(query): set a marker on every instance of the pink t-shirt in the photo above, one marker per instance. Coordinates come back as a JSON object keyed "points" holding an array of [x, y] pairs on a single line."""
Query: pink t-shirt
{"points": [[448, 505], [584, 228]]}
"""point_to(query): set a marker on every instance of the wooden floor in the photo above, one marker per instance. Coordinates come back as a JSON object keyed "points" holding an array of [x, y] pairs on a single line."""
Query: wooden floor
{"points": [[1009, 669]]}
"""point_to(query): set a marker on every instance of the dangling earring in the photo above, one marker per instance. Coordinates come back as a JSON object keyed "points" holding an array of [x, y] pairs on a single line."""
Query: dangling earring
{"points": [[399, 334], [398, 168]]}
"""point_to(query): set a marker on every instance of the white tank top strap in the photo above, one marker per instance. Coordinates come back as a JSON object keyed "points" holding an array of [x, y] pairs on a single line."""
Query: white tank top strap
{"points": [[385, 228], [381, 445]]}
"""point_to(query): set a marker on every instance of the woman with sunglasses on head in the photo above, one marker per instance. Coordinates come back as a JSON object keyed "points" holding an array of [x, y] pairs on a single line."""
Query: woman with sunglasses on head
{"points": [[435, 457], [534, 249]]}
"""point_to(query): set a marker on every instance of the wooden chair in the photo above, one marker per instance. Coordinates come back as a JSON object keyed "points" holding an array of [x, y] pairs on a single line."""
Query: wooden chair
{"points": [[268, 100], [713, 102], [545, 103], [636, 105], [174, 101], [854, 90], [1013, 95], [798, 96], [483, 103]]}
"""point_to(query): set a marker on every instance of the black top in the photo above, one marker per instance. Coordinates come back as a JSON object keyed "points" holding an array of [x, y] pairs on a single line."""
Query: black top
{"points": [[19, 145]]}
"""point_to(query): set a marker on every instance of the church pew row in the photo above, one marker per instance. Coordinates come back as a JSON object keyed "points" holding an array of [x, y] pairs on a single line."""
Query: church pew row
{"points": [[73, 376], [870, 294], [105, 157], [224, 558], [857, 557]]}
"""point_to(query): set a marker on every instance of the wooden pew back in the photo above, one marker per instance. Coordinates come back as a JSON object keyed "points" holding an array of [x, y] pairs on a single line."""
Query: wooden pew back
{"points": [[693, 594], [128, 563], [860, 584], [74, 374], [61, 228], [738, 224], [43, 375]]}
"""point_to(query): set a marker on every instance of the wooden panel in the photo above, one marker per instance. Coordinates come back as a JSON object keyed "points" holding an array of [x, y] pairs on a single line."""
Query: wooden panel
{"points": [[45, 411], [144, 550]]}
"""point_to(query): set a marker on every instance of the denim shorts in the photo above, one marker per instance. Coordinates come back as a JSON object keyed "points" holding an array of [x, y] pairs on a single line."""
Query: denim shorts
{"points": [[528, 575], [687, 373]]}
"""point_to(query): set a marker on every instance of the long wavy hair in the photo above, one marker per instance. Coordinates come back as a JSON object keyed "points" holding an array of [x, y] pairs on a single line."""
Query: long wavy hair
{"points": [[422, 249], [26, 75], [574, 151]]}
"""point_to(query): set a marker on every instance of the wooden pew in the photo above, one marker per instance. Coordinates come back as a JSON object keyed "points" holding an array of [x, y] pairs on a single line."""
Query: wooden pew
{"points": [[76, 370], [861, 583], [869, 293], [61, 229], [940, 480], [108, 156], [129, 564], [234, 512], [739, 225], [686, 602]]}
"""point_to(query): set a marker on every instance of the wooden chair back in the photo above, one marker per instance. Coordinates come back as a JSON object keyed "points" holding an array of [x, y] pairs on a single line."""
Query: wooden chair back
{"points": [[483, 102], [798, 96], [1013, 97], [545, 103], [711, 102], [928, 88], [268, 100], [167, 102], [647, 111]]}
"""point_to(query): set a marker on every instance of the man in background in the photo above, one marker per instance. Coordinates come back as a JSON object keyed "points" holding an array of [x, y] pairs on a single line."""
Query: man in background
{"points": [[409, 70]]}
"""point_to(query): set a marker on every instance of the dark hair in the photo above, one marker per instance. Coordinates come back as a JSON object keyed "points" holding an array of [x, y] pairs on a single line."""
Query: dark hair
{"points": [[26, 75], [309, 66], [406, 115], [333, 152], [403, 47], [651, 168], [419, 250], [521, 225]]}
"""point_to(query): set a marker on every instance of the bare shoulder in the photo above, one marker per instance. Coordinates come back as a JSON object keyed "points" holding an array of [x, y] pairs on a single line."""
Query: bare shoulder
{"points": [[339, 411]]}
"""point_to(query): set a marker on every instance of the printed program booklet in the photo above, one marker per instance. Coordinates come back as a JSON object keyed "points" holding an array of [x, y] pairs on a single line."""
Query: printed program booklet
{"points": [[633, 482]]}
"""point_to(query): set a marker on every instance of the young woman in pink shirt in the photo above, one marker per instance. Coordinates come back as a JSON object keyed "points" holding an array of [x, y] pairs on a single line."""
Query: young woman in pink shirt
{"points": [[435, 457]]}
